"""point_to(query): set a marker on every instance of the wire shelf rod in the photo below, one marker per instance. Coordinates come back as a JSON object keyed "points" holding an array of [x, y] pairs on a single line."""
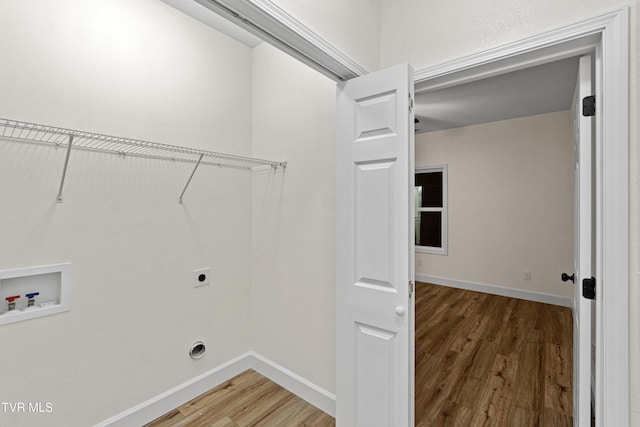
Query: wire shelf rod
{"points": [[190, 178], [64, 169]]}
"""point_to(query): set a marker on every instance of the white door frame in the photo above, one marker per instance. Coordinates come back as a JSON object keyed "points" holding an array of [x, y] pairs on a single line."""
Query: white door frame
{"points": [[583, 131], [608, 36]]}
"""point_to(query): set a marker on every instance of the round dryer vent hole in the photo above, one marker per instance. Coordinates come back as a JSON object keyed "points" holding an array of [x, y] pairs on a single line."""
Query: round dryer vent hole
{"points": [[197, 350]]}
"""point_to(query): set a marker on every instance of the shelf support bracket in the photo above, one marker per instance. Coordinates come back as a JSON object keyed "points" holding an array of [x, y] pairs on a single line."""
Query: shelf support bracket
{"points": [[190, 178], [64, 170]]}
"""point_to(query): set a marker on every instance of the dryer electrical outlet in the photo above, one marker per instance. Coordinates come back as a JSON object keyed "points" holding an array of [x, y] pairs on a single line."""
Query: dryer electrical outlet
{"points": [[201, 277]]}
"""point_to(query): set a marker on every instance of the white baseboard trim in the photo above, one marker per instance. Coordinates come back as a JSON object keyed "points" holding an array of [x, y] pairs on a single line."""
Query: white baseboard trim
{"points": [[498, 290], [171, 399], [306, 390]]}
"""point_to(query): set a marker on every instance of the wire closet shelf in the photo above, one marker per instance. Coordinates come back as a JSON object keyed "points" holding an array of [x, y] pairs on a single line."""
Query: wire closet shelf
{"points": [[72, 138], [34, 132]]}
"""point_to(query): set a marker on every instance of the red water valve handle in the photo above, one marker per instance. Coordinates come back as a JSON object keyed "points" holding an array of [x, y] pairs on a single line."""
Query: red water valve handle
{"points": [[11, 299]]}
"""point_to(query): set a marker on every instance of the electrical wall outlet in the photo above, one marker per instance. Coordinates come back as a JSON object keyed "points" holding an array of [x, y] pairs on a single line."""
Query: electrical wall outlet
{"points": [[527, 275], [201, 277]]}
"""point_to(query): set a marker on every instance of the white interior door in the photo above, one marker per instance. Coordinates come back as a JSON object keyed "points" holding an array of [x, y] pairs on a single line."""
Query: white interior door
{"points": [[374, 311], [583, 247]]}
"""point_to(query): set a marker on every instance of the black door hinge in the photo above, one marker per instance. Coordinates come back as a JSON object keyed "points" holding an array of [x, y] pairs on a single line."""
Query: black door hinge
{"points": [[589, 288], [589, 106]]}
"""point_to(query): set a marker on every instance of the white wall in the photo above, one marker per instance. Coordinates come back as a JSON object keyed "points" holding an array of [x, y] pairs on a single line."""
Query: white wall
{"points": [[634, 213], [293, 217], [351, 26], [142, 70], [429, 33], [510, 202]]}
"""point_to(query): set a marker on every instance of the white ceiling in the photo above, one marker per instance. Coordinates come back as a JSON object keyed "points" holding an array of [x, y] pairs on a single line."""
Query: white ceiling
{"points": [[543, 89]]}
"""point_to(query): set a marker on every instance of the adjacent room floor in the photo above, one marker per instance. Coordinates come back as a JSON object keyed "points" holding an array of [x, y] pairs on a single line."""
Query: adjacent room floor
{"points": [[490, 360]]}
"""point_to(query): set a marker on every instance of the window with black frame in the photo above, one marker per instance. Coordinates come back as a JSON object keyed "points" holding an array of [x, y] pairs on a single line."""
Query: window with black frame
{"points": [[430, 193]]}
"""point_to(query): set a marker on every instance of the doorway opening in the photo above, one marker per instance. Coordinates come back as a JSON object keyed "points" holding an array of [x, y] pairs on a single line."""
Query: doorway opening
{"points": [[510, 143], [515, 197]]}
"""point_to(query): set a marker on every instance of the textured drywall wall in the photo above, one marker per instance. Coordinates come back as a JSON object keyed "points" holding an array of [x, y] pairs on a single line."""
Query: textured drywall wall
{"points": [[634, 214], [429, 33], [510, 202], [293, 217], [138, 69]]}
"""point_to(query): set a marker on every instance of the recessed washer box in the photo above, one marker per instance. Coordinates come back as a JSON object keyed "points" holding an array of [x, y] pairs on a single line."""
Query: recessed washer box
{"points": [[52, 282]]}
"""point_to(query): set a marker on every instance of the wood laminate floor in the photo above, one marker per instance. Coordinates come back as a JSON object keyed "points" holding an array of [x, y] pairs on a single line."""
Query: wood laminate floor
{"points": [[487, 360], [481, 360], [246, 400]]}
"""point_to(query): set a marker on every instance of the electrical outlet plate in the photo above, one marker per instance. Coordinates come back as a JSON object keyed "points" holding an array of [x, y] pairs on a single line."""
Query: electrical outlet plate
{"points": [[201, 277], [527, 275]]}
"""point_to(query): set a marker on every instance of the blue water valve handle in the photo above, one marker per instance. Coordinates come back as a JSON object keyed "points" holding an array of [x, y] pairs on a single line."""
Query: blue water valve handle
{"points": [[32, 294]]}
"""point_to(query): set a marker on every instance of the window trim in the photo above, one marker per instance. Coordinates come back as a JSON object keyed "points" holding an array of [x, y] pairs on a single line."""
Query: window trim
{"points": [[444, 209]]}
